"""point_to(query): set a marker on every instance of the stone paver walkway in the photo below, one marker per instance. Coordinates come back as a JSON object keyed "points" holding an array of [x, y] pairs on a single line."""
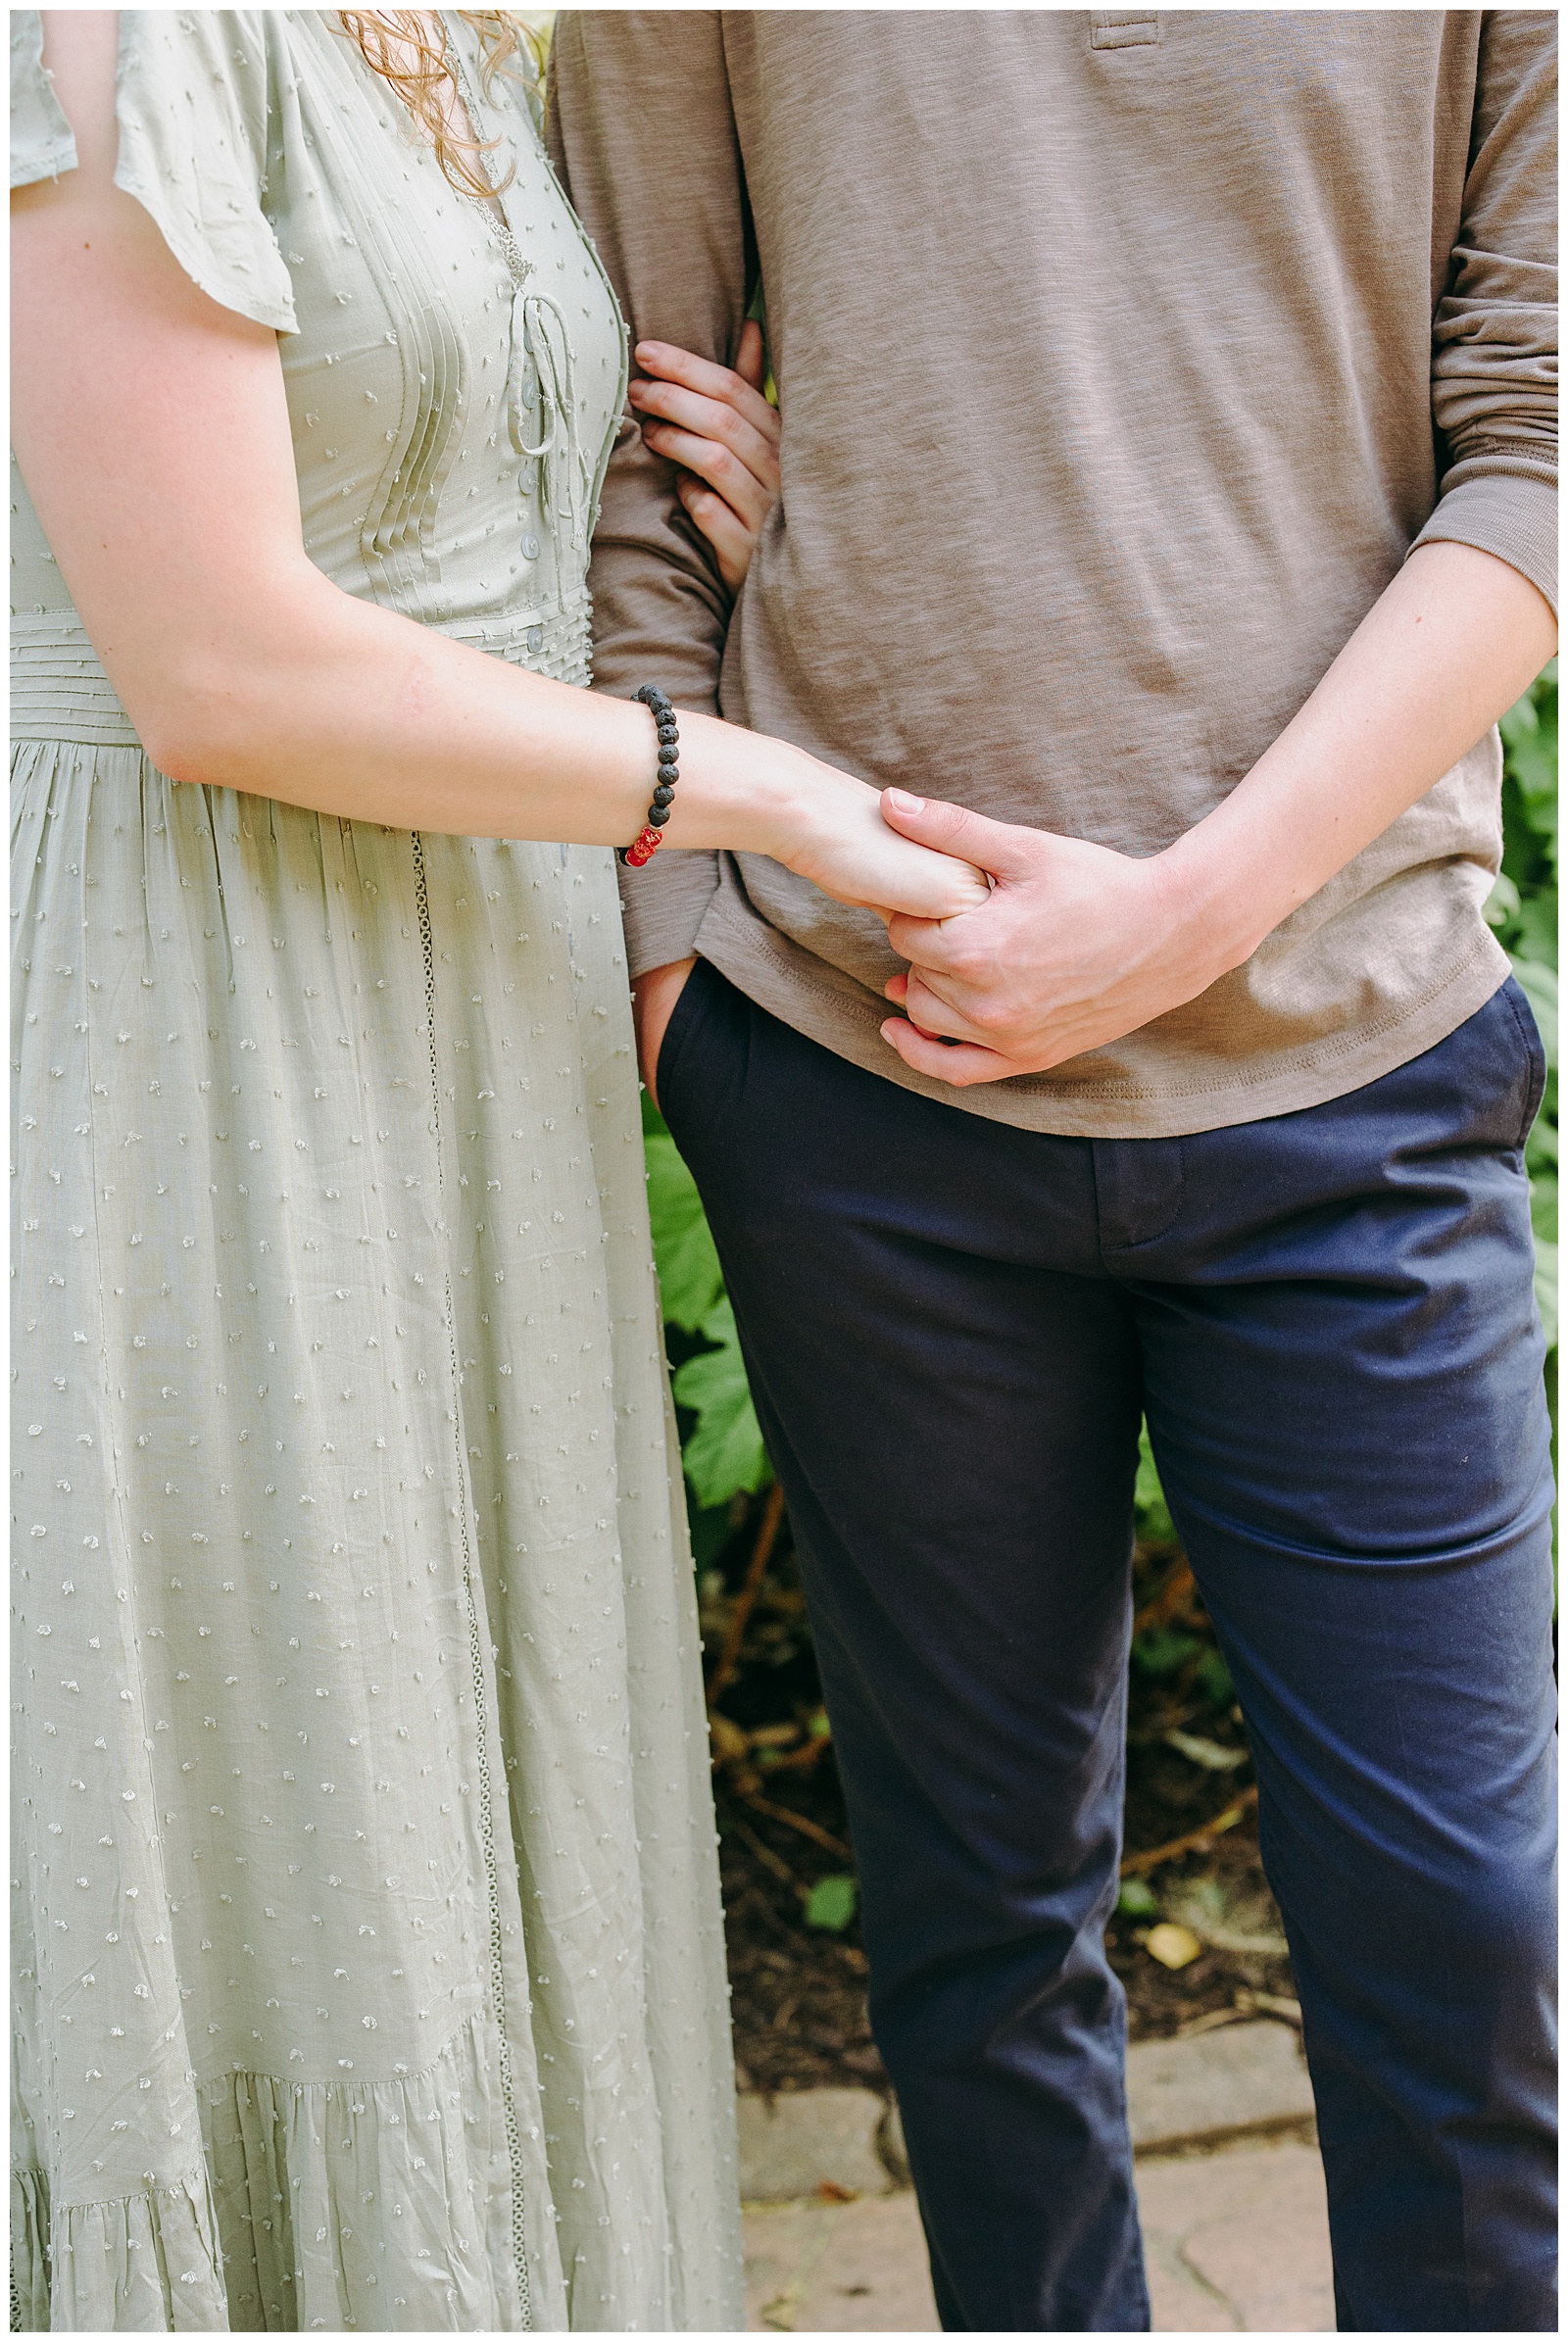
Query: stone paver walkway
{"points": [[1236, 2239]]}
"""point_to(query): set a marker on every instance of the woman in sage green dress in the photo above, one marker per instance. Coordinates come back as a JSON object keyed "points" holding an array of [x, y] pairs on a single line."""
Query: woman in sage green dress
{"points": [[369, 1967]]}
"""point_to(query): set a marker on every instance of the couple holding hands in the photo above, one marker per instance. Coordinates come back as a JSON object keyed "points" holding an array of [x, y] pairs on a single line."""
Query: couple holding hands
{"points": [[1057, 945]]}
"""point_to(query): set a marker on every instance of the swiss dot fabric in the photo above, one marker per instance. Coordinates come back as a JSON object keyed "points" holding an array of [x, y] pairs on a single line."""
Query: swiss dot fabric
{"points": [[370, 1970]]}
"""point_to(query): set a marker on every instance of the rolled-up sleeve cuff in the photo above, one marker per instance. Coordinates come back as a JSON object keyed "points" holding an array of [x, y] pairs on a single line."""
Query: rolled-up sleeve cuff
{"points": [[1509, 514], [663, 905]]}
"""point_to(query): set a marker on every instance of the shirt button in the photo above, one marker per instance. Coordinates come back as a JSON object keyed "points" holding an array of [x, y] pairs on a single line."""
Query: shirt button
{"points": [[531, 546]]}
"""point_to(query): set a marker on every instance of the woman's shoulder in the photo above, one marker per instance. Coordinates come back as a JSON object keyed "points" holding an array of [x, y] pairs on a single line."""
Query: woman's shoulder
{"points": [[196, 93], [196, 96]]}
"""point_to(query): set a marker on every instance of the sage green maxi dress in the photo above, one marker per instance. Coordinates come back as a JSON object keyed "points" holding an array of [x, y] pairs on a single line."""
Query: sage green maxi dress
{"points": [[369, 1965]]}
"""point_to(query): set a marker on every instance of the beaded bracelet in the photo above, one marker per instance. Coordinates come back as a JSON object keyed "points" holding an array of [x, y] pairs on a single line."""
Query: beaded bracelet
{"points": [[647, 843]]}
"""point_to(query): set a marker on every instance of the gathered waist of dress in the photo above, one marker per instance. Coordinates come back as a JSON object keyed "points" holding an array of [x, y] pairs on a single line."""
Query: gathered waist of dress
{"points": [[555, 642], [58, 690]]}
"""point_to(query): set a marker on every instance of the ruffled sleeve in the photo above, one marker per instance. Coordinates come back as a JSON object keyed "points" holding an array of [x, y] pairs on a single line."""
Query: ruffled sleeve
{"points": [[194, 98], [41, 143]]}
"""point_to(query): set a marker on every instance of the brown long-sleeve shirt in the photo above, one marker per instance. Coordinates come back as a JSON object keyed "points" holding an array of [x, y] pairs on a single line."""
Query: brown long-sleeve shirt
{"points": [[1122, 357]]}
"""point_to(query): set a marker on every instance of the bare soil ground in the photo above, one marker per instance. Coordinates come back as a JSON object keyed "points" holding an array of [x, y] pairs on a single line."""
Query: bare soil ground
{"points": [[799, 1982]]}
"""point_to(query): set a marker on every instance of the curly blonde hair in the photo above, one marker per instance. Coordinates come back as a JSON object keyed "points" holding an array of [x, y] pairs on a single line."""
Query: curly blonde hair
{"points": [[398, 45]]}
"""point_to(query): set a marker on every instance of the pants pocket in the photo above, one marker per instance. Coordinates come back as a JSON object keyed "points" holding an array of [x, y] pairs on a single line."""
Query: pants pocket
{"points": [[1518, 999], [672, 1045]]}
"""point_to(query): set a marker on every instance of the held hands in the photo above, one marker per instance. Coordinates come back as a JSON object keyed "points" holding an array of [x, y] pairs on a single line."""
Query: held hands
{"points": [[1074, 946], [835, 834], [716, 424]]}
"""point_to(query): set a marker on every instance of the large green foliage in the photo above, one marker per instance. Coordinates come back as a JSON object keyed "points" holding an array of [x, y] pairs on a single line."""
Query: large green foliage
{"points": [[1523, 911], [722, 1451], [722, 1448]]}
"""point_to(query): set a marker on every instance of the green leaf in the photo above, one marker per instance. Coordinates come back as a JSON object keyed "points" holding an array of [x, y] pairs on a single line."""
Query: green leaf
{"points": [[1155, 1523], [1530, 737], [1137, 1900], [1540, 986], [710, 1533], [1536, 928], [1547, 1290], [1543, 1208], [831, 1903], [1540, 1150], [726, 1452], [1501, 906], [1214, 1679], [690, 1280], [1161, 1651]]}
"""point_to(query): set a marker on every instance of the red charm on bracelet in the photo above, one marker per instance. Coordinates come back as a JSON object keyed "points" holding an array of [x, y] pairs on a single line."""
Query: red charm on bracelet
{"points": [[649, 838], [642, 847]]}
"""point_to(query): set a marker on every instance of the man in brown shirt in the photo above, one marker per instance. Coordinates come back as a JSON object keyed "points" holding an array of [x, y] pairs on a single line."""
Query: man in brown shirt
{"points": [[1125, 361]]}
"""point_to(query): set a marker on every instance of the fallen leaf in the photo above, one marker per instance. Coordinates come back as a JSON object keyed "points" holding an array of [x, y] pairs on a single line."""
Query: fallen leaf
{"points": [[729, 1741], [1210, 1754], [1172, 1946], [831, 1902]]}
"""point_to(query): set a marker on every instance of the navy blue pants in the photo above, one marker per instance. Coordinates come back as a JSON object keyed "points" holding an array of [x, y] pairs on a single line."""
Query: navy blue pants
{"points": [[952, 1328]]}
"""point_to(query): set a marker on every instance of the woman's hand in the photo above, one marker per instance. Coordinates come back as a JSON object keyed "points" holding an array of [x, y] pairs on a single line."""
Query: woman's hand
{"points": [[852, 855], [828, 827], [715, 421]]}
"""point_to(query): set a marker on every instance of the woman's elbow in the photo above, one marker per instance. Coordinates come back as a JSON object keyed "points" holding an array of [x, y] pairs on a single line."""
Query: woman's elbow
{"points": [[200, 726]]}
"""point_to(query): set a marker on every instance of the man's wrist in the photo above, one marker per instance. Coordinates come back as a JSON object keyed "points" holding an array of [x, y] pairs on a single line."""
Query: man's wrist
{"points": [[1216, 911]]}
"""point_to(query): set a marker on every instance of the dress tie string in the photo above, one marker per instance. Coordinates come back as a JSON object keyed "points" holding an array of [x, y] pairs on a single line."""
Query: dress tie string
{"points": [[540, 337]]}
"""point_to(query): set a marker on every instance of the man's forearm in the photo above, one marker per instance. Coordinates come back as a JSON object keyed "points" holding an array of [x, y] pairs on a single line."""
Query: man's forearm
{"points": [[1451, 643]]}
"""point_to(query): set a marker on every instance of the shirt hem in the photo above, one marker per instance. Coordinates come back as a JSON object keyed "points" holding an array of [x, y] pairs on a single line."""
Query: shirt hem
{"points": [[782, 979]]}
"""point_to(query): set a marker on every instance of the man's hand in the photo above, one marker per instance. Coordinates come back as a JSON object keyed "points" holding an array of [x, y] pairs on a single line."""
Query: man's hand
{"points": [[1078, 945], [653, 1004], [1075, 946]]}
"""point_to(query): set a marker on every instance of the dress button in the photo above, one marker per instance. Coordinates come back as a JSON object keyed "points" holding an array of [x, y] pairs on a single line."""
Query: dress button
{"points": [[536, 638], [531, 546]]}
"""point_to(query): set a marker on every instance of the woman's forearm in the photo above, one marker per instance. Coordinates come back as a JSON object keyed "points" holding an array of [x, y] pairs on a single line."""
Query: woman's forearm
{"points": [[346, 709], [1448, 645], [337, 705]]}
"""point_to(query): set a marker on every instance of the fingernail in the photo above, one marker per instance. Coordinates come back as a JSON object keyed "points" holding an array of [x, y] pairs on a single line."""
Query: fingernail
{"points": [[903, 803]]}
